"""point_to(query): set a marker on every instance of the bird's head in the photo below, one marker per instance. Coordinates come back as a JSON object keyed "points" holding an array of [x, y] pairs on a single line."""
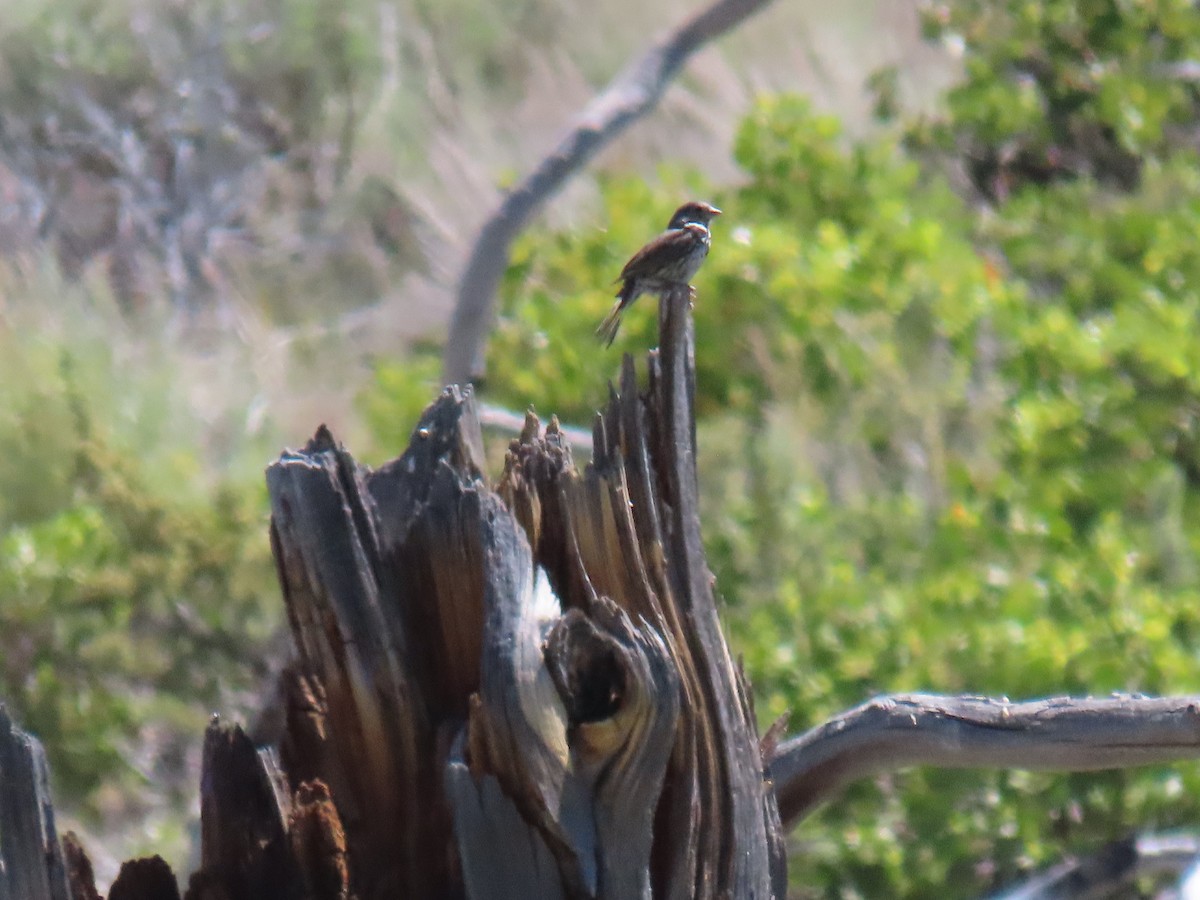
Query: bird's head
{"points": [[695, 211]]}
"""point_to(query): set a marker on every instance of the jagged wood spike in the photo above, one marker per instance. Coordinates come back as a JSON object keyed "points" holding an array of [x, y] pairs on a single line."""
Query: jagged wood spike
{"points": [[244, 848], [31, 860], [735, 832]]}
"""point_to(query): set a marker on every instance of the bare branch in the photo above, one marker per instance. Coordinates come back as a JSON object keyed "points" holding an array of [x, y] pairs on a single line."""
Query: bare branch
{"points": [[1115, 866], [631, 95], [1062, 733]]}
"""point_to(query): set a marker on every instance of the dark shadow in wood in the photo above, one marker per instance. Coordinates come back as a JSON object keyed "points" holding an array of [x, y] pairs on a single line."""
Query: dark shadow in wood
{"points": [[147, 879]]}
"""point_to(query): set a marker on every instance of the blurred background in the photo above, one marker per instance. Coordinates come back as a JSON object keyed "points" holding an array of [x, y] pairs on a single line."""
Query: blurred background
{"points": [[948, 381]]}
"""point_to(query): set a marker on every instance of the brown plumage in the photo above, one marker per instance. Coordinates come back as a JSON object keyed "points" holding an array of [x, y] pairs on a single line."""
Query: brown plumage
{"points": [[670, 260]]}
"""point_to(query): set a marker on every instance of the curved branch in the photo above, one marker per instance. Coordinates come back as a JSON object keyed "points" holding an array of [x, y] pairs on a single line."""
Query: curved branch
{"points": [[631, 95], [1062, 733]]}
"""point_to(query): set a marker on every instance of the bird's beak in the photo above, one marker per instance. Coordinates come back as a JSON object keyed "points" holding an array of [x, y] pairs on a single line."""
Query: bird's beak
{"points": [[712, 210]]}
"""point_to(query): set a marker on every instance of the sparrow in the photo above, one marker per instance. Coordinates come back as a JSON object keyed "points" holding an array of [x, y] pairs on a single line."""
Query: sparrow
{"points": [[670, 260]]}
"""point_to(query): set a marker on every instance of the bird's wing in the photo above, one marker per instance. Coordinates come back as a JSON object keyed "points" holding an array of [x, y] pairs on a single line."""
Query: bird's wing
{"points": [[667, 247]]}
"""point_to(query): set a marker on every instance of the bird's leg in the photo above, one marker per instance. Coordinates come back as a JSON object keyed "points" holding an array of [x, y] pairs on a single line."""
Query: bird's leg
{"points": [[691, 297]]}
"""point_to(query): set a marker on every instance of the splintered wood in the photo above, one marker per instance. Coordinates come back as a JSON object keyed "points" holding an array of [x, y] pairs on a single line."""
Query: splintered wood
{"points": [[522, 690]]}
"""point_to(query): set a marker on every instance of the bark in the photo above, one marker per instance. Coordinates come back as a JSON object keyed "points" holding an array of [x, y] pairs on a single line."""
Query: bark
{"points": [[31, 859], [1063, 733], [145, 879]]}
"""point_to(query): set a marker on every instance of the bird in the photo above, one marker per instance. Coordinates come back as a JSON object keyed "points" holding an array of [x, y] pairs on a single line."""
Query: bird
{"points": [[669, 260]]}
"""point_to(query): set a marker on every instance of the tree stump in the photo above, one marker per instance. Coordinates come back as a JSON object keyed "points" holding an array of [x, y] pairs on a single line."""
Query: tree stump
{"points": [[523, 690]]}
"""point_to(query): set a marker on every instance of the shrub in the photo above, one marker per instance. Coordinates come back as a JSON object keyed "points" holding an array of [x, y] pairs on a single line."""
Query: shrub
{"points": [[136, 589]]}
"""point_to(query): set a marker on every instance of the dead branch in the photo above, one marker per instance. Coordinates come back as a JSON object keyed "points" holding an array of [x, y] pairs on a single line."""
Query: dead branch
{"points": [[1060, 734], [1116, 866], [628, 97]]}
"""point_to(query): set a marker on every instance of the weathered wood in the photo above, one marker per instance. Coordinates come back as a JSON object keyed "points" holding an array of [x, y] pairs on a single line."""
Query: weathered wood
{"points": [[524, 691], [79, 869], [150, 879], [742, 837], [245, 851], [1066, 734], [506, 856], [625, 530], [31, 861], [370, 722], [622, 692], [318, 842]]}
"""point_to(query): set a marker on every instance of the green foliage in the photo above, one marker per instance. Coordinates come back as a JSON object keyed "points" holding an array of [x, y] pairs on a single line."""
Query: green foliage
{"points": [[948, 436], [136, 589], [1056, 89]]}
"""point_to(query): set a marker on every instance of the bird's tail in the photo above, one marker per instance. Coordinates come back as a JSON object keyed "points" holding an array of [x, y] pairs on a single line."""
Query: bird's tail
{"points": [[607, 332]]}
